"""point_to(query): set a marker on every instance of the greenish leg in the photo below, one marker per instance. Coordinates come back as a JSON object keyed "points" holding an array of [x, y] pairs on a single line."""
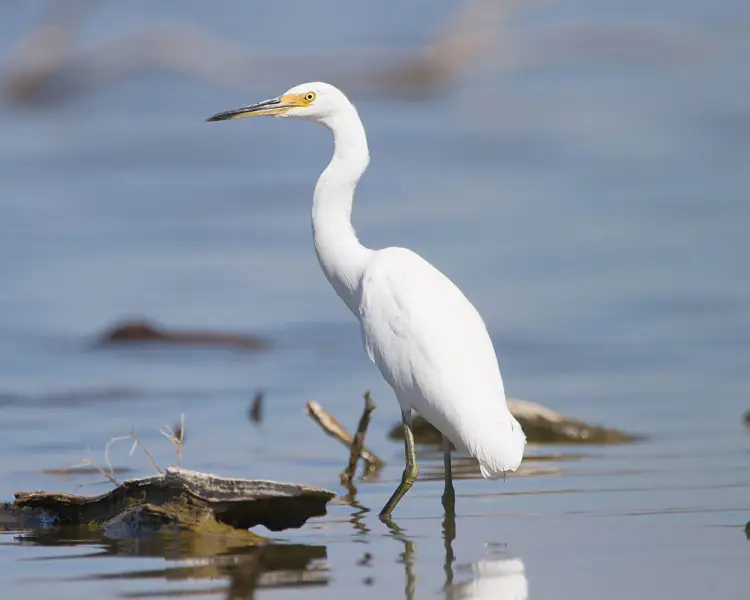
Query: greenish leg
{"points": [[449, 495], [410, 471]]}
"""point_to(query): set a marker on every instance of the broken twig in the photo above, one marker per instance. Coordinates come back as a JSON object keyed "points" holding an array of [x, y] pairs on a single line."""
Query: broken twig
{"points": [[176, 437], [359, 441], [110, 473], [137, 442], [88, 462], [332, 427]]}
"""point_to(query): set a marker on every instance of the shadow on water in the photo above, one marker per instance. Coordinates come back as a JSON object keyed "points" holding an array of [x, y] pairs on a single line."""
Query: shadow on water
{"points": [[197, 558]]}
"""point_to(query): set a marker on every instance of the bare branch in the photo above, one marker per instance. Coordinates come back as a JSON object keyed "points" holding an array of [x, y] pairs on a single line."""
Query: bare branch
{"points": [[145, 451], [359, 441], [334, 428], [113, 440], [180, 437], [87, 462], [176, 438]]}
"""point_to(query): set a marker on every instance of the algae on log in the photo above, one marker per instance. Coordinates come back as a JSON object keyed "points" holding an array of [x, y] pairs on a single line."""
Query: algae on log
{"points": [[541, 425], [181, 499]]}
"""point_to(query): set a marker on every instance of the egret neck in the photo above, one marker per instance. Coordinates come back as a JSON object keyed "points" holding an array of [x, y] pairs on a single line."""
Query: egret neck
{"points": [[341, 255]]}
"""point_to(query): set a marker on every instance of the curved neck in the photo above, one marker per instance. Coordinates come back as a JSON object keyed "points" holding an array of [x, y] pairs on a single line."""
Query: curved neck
{"points": [[339, 252]]}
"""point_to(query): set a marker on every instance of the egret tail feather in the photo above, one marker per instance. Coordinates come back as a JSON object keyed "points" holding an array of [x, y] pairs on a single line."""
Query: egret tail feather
{"points": [[502, 452]]}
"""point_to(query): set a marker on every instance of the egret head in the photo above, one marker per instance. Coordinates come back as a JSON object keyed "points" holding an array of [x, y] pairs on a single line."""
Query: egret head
{"points": [[316, 101]]}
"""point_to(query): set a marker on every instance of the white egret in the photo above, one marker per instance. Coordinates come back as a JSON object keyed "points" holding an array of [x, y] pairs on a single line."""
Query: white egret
{"points": [[427, 339]]}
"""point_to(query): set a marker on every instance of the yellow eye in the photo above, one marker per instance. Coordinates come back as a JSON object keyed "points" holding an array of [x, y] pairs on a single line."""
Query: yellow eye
{"points": [[309, 97]]}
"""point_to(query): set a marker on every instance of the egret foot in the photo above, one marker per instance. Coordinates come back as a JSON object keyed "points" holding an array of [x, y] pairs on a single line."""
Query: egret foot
{"points": [[410, 471]]}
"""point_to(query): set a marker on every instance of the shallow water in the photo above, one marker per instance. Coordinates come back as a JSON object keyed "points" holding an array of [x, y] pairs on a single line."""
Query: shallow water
{"points": [[595, 211]]}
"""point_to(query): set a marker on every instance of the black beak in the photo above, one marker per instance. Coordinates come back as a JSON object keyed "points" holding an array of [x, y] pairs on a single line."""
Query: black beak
{"points": [[267, 107]]}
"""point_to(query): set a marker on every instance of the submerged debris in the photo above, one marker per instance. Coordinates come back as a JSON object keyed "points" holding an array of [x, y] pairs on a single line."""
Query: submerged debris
{"points": [[541, 425], [143, 332], [180, 499]]}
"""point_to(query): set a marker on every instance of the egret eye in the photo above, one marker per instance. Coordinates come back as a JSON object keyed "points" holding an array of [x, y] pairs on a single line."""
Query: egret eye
{"points": [[309, 97]]}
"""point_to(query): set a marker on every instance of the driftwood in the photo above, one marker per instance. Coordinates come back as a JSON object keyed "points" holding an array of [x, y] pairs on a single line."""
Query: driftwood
{"points": [[541, 425], [142, 332], [334, 428], [180, 499]]}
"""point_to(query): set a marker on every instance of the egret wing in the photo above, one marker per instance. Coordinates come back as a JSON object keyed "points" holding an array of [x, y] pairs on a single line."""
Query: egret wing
{"points": [[432, 347]]}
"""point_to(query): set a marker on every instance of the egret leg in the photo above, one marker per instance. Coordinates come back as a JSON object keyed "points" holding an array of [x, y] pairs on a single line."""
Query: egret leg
{"points": [[410, 471], [449, 495]]}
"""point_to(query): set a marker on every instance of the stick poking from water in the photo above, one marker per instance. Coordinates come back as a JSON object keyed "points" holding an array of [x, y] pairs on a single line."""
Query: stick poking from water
{"points": [[256, 408], [359, 441], [334, 428]]}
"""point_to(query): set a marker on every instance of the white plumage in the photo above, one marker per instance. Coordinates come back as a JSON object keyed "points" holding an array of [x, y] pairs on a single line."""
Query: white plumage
{"points": [[427, 339], [433, 349]]}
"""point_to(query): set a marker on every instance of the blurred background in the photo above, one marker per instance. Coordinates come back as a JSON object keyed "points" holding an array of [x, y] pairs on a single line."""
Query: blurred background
{"points": [[579, 169]]}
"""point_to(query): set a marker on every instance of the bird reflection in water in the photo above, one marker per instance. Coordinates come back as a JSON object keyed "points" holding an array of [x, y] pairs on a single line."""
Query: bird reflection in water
{"points": [[496, 577], [406, 558]]}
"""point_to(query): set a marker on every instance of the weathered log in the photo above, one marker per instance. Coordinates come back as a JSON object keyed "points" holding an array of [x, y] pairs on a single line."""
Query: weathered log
{"points": [[541, 425], [181, 499], [143, 332]]}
